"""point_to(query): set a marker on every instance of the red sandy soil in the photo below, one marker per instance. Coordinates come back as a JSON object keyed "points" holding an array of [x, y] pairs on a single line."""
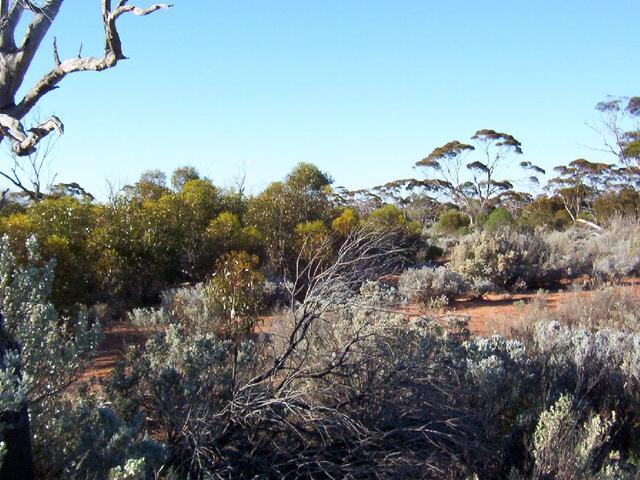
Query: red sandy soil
{"points": [[498, 312], [494, 313], [117, 339]]}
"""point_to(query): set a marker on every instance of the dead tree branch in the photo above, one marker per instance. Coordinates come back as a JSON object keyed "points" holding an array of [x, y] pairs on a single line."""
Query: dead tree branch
{"points": [[16, 61]]}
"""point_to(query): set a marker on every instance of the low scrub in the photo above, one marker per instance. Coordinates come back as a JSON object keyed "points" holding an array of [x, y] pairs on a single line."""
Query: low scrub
{"points": [[431, 286], [614, 307], [608, 255], [616, 251], [343, 386], [570, 254], [507, 258]]}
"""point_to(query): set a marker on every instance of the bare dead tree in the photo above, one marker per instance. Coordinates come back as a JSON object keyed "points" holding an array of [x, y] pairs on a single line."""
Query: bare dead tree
{"points": [[17, 54], [17, 50]]}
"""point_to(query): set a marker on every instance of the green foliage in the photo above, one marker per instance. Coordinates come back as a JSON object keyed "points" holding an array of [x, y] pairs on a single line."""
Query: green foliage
{"points": [[621, 117], [473, 186], [183, 175], [306, 176], [151, 186], [498, 218], [624, 203], [545, 212], [390, 217], [310, 237], [62, 227], [225, 233], [345, 222], [452, 221], [235, 293], [282, 206]]}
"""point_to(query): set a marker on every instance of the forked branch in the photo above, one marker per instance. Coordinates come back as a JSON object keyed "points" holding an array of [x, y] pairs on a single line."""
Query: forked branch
{"points": [[19, 60]]}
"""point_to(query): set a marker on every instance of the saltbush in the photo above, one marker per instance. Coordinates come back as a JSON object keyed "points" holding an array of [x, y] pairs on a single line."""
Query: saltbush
{"points": [[616, 250], [431, 285], [569, 254], [507, 258]]}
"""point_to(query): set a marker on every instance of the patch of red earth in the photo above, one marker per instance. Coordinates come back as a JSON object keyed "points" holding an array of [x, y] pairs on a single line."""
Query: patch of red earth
{"points": [[117, 338], [499, 312]]}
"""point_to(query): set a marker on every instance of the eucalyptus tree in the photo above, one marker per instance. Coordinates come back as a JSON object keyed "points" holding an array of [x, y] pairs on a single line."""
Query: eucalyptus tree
{"points": [[580, 182], [621, 128], [470, 175]]}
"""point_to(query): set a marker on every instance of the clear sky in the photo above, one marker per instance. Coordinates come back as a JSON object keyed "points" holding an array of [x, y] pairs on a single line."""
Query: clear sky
{"points": [[363, 89]]}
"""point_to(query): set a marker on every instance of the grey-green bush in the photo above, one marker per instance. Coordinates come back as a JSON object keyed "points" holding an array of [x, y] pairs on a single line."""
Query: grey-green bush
{"points": [[506, 257], [431, 285]]}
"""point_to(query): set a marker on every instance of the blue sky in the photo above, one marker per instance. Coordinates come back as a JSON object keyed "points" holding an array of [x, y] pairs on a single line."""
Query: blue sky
{"points": [[363, 89]]}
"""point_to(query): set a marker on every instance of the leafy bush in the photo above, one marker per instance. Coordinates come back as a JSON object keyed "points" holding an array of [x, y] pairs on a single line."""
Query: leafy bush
{"points": [[452, 221], [498, 218], [545, 212], [507, 258], [431, 286], [345, 222]]}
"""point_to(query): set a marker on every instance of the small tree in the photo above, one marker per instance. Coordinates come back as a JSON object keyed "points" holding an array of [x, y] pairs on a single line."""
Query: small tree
{"points": [[235, 294], [235, 291]]}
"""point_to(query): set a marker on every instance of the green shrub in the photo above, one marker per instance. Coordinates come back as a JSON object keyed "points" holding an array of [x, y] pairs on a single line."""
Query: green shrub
{"points": [[452, 221], [498, 218]]}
